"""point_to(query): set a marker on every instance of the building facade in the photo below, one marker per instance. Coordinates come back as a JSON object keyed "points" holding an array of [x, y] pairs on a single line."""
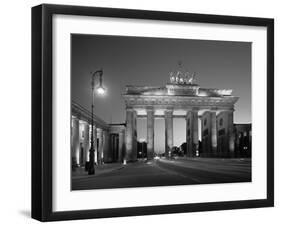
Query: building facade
{"points": [[108, 138], [243, 140]]}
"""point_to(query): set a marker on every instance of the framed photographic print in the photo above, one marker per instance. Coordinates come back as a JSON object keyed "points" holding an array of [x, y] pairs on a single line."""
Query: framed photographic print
{"points": [[145, 112]]}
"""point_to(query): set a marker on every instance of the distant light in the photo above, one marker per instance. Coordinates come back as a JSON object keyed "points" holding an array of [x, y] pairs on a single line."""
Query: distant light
{"points": [[156, 157], [202, 94], [100, 90]]}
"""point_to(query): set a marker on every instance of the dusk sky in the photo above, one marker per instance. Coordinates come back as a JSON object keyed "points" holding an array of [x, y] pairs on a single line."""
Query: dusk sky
{"points": [[148, 61]]}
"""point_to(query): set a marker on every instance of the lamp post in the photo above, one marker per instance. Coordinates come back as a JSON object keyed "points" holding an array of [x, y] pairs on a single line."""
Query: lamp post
{"points": [[100, 90]]}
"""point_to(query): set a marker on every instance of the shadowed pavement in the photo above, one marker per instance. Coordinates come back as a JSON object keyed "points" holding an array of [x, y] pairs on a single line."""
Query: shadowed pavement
{"points": [[163, 172]]}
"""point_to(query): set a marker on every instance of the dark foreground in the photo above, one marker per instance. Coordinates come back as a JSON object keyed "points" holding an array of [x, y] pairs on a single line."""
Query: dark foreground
{"points": [[163, 172]]}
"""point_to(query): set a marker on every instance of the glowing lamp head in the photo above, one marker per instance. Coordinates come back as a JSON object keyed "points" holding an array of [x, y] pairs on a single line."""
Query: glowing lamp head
{"points": [[100, 90]]}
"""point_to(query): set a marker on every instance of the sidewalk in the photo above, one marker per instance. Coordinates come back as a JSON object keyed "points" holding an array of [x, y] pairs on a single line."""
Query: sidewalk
{"points": [[99, 169], [210, 158]]}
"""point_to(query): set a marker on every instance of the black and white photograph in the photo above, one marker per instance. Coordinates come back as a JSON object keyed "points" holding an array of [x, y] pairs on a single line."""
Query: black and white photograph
{"points": [[151, 112]]}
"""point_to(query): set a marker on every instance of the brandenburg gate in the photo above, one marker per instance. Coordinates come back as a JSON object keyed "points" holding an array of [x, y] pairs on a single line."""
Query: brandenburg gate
{"points": [[211, 109]]}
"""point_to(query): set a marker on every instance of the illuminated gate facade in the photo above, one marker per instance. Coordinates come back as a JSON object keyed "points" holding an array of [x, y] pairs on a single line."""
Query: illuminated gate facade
{"points": [[211, 109]]}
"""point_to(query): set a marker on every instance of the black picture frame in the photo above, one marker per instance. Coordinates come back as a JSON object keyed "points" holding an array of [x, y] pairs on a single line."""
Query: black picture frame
{"points": [[42, 111]]}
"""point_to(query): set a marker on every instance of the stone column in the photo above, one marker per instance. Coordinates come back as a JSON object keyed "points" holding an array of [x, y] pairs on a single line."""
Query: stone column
{"points": [[75, 142], [86, 142], [95, 144], [168, 132], [130, 135], [135, 137], [231, 135], [106, 146], [192, 132], [150, 133], [195, 130], [189, 138], [100, 146], [121, 146], [222, 138], [206, 134], [214, 132]]}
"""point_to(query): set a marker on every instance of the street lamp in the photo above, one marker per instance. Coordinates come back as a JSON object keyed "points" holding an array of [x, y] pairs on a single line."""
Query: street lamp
{"points": [[100, 90]]}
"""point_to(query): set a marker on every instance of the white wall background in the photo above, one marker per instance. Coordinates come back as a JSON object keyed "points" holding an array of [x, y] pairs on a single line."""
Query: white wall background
{"points": [[15, 113]]}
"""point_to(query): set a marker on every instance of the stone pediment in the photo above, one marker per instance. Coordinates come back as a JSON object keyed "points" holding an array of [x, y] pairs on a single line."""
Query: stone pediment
{"points": [[170, 89], [179, 92], [145, 90], [182, 89]]}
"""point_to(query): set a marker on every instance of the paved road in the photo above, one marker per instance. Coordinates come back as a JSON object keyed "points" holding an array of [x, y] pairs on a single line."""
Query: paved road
{"points": [[169, 172]]}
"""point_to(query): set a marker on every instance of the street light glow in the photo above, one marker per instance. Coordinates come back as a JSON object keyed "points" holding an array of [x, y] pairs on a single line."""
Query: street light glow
{"points": [[100, 90]]}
